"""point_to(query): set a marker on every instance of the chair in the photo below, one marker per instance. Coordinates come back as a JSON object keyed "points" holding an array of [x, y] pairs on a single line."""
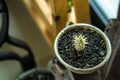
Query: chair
{"points": [[27, 62]]}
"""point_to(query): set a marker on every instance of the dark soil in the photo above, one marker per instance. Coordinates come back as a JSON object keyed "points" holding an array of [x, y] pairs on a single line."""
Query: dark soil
{"points": [[91, 55]]}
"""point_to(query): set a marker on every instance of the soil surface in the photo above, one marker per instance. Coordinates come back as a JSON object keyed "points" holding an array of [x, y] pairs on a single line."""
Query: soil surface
{"points": [[91, 55]]}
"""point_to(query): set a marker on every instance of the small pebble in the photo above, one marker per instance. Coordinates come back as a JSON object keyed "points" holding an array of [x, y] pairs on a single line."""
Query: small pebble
{"points": [[102, 53]]}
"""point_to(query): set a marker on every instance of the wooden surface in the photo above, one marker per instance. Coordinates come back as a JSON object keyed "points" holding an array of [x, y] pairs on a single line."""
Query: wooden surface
{"points": [[82, 11], [60, 13], [91, 76], [42, 15], [114, 73], [51, 15], [111, 70]]}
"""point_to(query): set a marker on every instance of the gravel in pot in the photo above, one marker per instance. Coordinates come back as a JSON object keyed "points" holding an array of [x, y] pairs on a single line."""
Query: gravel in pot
{"points": [[82, 48]]}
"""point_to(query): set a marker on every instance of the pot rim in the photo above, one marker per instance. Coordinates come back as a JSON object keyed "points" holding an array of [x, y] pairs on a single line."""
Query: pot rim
{"points": [[102, 34]]}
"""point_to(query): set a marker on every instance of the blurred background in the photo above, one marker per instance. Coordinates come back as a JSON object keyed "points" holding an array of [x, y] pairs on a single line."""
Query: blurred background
{"points": [[37, 22]]}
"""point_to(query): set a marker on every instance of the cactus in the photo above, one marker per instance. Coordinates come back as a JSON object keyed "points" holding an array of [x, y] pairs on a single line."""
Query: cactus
{"points": [[79, 42]]}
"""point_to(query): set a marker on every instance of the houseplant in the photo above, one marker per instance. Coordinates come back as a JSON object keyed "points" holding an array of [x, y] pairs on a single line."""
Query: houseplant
{"points": [[82, 48]]}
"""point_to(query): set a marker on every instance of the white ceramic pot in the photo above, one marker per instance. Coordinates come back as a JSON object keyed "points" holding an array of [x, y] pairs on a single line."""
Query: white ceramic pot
{"points": [[80, 70]]}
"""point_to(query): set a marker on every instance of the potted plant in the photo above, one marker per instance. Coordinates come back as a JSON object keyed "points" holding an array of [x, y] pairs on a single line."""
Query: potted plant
{"points": [[37, 74], [82, 48]]}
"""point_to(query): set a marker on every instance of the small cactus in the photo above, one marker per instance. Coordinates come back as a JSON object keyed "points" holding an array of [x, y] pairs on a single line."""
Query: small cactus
{"points": [[79, 42]]}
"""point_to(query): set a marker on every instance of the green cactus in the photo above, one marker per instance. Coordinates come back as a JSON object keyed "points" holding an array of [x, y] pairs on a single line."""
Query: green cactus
{"points": [[79, 42]]}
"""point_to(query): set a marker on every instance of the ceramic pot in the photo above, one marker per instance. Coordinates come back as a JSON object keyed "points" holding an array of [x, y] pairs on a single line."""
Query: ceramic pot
{"points": [[91, 27]]}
